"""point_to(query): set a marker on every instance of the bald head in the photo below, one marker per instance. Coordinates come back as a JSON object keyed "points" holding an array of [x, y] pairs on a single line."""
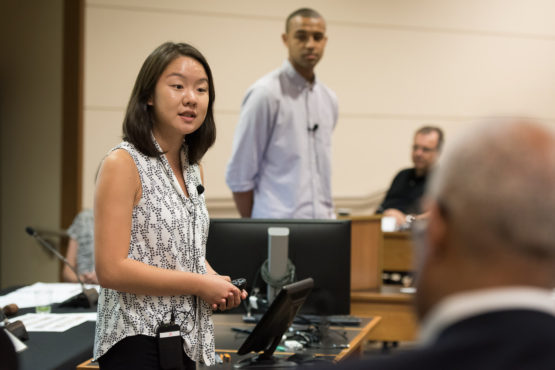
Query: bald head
{"points": [[492, 202], [497, 185]]}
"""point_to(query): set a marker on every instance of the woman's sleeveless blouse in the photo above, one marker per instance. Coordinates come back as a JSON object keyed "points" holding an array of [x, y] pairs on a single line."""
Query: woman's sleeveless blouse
{"points": [[169, 231]]}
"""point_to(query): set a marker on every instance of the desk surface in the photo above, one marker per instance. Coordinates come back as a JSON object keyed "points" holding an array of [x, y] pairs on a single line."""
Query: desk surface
{"points": [[48, 350], [228, 341]]}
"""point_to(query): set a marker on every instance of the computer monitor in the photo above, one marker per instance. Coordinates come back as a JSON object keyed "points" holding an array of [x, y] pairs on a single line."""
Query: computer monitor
{"points": [[320, 249], [268, 332]]}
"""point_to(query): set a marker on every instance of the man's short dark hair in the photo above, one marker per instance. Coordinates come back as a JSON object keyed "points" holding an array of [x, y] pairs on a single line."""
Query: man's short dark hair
{"points": [[428, 130], [303, 12]]}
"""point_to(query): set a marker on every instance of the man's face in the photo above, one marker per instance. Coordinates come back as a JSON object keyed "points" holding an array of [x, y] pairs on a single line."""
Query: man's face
{"points": [[425, 151], [305, 40]]}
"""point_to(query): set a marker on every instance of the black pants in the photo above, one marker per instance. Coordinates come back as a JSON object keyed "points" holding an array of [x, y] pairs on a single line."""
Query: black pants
{"points": [[137, 352]]}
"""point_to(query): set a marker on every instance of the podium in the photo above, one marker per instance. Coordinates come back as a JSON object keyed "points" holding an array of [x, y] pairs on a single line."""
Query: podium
{"points": [[372, 252]]}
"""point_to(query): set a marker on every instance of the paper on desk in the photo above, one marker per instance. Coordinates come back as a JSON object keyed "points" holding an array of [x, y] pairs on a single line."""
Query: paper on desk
{"points": [[28, 296], [58, 322]]}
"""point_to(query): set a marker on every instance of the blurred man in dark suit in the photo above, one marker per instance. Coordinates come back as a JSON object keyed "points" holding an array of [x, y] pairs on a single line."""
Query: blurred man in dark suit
{"points": [[486, 258], [8, 356]]}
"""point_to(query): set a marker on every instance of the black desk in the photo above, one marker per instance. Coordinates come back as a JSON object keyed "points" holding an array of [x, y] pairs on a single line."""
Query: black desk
{"points": [[50, 350], [227, 341]]}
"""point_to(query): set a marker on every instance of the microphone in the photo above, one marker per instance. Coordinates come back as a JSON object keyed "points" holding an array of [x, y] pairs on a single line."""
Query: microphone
{"points": [[200, 189], [313, 128], [88, 297]]}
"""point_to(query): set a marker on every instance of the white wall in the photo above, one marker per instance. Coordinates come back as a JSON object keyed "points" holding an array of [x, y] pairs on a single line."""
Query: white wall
{"points": [[394, 65]]}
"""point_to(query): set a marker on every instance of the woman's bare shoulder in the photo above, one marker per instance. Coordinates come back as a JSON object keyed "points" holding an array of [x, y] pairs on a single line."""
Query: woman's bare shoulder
{"points": [[119, 170]]}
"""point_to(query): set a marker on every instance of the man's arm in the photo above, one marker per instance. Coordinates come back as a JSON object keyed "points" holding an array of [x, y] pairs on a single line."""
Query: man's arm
{"points": [[400, 217], [249, 145], [243, 201], [392, 192]]}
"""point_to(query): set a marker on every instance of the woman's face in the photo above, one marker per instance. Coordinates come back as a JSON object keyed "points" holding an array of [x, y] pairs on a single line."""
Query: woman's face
{"points": [[180, 98]]}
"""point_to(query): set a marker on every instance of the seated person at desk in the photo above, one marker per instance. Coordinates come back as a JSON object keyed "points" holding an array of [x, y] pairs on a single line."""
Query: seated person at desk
{"points": [[403, 198], [80, 250], [485, 260]]}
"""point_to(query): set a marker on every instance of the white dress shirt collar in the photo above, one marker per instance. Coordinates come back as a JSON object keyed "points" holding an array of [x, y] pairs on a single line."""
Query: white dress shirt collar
{"points": [[299, 81]]}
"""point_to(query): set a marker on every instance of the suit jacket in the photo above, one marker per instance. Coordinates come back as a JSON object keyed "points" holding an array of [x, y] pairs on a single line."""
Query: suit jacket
{"points": [[509, 339], [8, 356]]}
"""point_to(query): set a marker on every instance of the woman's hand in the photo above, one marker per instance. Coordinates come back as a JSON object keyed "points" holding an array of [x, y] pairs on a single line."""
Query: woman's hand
{"points": [[219, 293]]}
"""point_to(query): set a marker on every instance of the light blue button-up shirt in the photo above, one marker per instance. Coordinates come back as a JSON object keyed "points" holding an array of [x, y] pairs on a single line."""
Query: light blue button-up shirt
{"points": [[282, 146]]}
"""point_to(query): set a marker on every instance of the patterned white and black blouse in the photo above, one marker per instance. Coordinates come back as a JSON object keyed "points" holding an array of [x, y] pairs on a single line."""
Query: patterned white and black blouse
{"points": [[169, 231]]}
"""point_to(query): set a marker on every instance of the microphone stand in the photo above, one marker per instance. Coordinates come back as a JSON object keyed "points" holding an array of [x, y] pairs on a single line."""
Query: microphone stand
{"points": [[88, 297]]}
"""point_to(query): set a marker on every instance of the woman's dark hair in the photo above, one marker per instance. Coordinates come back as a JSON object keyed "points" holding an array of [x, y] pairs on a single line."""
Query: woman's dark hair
{"points": [[139, 117]]}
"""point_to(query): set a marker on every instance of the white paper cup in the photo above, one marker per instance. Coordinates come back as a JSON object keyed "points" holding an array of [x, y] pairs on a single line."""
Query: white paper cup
{"points": [[388, 224]]}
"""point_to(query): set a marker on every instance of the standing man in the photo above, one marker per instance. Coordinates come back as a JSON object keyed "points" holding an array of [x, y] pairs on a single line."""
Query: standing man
{"points": [[281, 161], [404, 196], [486, 260]]}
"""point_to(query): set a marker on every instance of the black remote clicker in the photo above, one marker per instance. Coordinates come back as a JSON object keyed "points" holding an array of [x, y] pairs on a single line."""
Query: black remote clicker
{"points": [[240, 283]]}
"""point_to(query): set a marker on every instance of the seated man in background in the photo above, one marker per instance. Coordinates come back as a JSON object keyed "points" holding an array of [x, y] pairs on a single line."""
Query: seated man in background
{"points": [[403, 198], [80, 250], [486, 259]]}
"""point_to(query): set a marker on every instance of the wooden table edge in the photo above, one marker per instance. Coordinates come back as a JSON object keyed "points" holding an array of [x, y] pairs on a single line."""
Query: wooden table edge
{"points": [[358, 340]]}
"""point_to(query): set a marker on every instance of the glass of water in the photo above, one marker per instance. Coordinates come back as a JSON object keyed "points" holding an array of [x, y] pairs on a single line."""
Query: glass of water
{"points": [[43, 300]]}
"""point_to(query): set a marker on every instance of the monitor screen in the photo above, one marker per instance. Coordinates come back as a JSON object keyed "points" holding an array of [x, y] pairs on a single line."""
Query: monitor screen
{"points": [[320, 249], [268, 332]]}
